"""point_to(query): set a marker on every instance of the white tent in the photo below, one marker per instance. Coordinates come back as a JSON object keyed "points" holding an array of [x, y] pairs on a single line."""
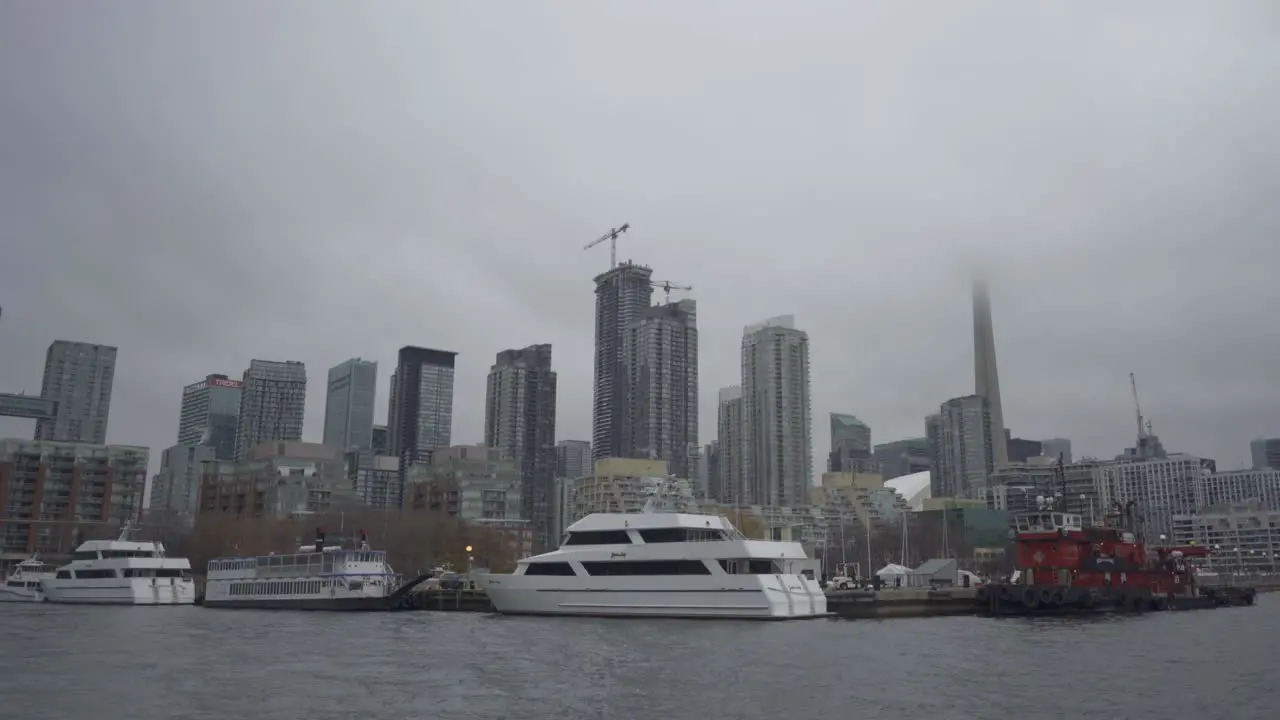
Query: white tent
{"points": [[888, 572]]}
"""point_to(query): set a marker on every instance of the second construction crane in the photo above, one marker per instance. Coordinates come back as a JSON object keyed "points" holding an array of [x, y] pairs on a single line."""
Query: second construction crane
{"points": [[612, 237], [667, 286]]}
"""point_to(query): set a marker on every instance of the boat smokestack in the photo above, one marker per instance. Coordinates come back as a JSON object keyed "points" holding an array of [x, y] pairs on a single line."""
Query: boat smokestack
{"points": [[319, 539]]}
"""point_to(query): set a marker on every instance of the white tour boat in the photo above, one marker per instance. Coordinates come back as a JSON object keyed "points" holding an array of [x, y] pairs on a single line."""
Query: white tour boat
{"points": [[657, 564], [317, 577], [23, 584], [122, 572]]}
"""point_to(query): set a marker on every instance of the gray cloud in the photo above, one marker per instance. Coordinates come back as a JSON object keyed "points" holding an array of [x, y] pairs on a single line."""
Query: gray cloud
{"points": [[205, 184]]}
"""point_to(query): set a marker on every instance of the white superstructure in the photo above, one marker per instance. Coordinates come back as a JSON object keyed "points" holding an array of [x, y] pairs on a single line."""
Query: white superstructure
{"points": [[317, 577], [23, 584], [661, 565], [122, 572]]}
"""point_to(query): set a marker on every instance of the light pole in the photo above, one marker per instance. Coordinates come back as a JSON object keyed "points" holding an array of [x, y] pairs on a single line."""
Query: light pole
{"points": [[469, 559]]}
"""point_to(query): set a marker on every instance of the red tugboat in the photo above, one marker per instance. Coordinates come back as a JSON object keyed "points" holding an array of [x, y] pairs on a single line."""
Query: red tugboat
{"points": [[1067, 568]]}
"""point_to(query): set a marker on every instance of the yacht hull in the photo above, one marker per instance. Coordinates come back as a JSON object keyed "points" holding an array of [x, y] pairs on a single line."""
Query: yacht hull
{"points": [[350, 604], [778, 597], [20, 595], [121, 591]]}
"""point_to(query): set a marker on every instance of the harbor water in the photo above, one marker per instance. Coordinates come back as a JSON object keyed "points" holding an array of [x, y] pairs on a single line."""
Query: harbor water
{"points": [[70, 662]]}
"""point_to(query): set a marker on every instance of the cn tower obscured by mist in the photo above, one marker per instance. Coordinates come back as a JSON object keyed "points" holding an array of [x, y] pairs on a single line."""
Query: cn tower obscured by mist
{"points": [[986, 378]]}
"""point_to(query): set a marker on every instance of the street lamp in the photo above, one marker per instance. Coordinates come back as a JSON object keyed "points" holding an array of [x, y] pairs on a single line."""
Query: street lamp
{"points": [[468, 549]]}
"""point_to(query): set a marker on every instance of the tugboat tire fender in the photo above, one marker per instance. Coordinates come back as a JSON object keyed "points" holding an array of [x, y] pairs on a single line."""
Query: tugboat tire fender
{"points": [[1047, 597], [1059, 597], [1030, 598]]}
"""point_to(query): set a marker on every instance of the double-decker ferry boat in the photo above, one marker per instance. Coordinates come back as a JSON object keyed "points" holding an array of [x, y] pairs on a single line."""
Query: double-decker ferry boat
{"points": [[23, 584], [317, 577], [1065, 567], [658, 564], [121, 572]]}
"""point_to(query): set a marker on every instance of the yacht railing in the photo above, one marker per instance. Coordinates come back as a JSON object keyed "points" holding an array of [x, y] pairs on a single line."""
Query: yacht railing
{"points": [[732, 529]]}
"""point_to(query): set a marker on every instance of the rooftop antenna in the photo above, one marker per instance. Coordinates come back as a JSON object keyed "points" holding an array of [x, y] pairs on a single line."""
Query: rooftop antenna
{"points": [[612, 237]]}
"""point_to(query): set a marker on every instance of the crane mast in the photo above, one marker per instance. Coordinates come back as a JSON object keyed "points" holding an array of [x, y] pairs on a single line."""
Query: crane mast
{"points": [[1137, 407]]}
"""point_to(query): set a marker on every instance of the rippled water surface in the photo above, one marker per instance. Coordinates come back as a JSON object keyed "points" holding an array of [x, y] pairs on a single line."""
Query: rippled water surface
{"points": [[150, 663]]}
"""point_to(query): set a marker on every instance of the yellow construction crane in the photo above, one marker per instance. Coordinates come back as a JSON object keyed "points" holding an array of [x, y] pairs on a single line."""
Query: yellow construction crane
{"points": [[612, 237], [667, 286]]}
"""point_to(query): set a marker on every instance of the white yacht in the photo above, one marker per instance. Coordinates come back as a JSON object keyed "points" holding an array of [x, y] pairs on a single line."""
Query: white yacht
{"points": [[23, 584], [121, 572], [317, 577], [657, 564]]}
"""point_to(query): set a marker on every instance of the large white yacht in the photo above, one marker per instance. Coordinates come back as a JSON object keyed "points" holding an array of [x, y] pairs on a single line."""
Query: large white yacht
{"points": [[122, 572], [23, 584], [317, 577], [658, 564]]}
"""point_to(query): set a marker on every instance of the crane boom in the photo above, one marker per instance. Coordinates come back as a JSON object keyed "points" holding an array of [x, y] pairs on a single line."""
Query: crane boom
{"points": [[667, 286], [612, 237]]}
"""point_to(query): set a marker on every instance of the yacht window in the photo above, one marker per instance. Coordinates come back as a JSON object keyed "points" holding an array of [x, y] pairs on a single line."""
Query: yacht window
{"points": [[84, 555], [168, 572], [647, 567], [549, 568], [15, 583], [64, 574], [598, 537], [748, 566], [671, 535], [94, 574]]}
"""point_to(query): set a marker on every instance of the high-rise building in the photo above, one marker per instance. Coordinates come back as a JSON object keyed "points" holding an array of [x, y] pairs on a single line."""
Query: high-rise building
{"points": [[78, 376], [708, 469], [729, 485], [381, 440], [348, 405], [210, 415], [967, 451], [986, 377], [1266, 453], [902, 457], [621, 295], [520, 422], [573, 458], [660, 345], [423, 405], [175, 490], [273, 402], [850, 442], [933, 439], [778, 463], [1056, 448]]}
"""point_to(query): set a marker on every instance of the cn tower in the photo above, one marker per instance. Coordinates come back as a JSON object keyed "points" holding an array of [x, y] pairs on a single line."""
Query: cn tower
{"points": [[986, 378]]}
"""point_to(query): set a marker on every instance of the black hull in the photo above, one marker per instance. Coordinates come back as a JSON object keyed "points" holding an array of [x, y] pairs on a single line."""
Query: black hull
{"points": [[320, 604], [1021, 601]]}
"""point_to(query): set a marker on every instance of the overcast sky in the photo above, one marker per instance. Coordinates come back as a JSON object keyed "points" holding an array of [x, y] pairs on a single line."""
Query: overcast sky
{"points": [[200, 184]]}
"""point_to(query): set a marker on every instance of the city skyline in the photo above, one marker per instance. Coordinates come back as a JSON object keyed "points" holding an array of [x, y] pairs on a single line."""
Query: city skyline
{"points": [[478, 244]]}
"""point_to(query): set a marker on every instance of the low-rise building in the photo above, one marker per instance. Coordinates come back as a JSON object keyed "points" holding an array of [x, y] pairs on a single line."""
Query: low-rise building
{"points": [[473, 482], [1245, 537], [54, 495], [375, 479], [278, 480]]}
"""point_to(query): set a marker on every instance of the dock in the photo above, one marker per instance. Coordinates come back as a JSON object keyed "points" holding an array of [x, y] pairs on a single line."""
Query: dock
{"points": [[445, 601], [902, 603]]}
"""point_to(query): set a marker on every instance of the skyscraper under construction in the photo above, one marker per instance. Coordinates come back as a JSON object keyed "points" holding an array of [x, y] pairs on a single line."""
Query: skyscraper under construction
{"points": [[622, 294]]}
